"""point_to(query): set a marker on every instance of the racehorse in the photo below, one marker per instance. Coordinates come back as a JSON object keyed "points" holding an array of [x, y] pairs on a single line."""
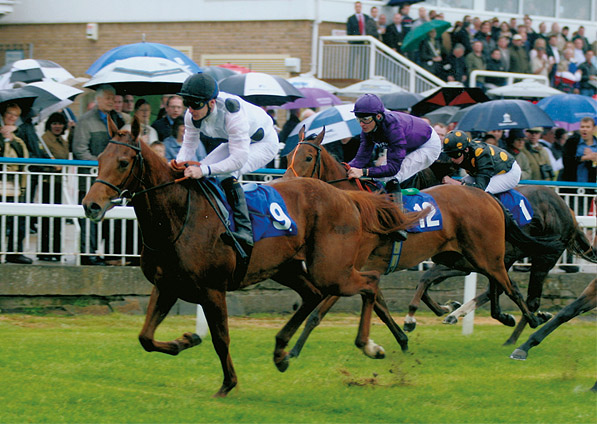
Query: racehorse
{"points": [[471, 237], [184, 256], [552, 219]]}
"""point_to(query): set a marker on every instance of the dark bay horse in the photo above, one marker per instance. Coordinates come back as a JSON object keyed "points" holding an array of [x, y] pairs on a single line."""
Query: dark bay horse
{"points": [[184, 256], [472, 238], [552, 219]]}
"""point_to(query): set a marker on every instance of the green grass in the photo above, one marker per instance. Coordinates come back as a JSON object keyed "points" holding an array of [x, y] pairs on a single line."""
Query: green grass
{"points": [[92, 369]]}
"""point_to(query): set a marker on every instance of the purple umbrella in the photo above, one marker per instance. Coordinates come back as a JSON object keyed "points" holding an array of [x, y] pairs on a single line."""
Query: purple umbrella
{"points": [[314, 97]]}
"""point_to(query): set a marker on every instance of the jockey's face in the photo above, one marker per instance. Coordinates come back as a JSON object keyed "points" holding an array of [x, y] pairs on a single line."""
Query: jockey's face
{"points": [[202, 112], [368, 125], [458, 160]]}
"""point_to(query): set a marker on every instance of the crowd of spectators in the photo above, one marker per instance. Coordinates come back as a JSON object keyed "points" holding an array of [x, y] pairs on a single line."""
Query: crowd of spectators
{"points": [[566, 59]]}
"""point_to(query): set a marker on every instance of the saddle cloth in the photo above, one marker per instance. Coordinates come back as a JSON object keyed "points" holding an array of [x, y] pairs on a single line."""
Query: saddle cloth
{"points": [[518, 205], [269, 215]]}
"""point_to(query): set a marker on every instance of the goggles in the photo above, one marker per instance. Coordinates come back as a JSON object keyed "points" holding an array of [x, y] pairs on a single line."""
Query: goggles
{"points": [[454, 155], [365, 119], [193, 103]]}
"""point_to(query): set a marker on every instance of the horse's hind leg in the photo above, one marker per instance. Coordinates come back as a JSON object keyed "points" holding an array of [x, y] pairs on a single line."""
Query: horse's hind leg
{"points": [[159, 305], [313, 321], [369, 295], [433, 276], [496, 310], [468, 307]]}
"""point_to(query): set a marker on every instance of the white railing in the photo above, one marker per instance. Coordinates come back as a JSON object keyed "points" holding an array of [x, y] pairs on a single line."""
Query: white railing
{"points": [[111, 240], [362, 57], [509, 77]]}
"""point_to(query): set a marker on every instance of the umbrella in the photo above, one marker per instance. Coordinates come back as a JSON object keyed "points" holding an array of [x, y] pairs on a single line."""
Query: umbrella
{"points": [[568, 109], [525, 88], [143, 49], [400, 100], [141, 76], [16, 95], [503, 115], [314, 97], [309, 81], [442, 115], [415, 36], [50, 97], [401, 2], [339, 123], [261, 89], [218, 73], [376, 85], [449, 96], [32, 70]]}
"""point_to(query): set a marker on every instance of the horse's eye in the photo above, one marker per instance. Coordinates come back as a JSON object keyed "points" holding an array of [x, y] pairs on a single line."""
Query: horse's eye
{"points": [[308, 158], [123, 163]]}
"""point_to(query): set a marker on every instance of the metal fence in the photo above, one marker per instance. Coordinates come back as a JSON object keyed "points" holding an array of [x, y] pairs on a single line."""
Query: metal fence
{"points": [[51, 221]]}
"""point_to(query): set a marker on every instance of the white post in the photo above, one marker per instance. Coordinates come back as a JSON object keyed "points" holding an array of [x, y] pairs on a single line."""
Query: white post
{"points": [[470, 291], [201, 323]]}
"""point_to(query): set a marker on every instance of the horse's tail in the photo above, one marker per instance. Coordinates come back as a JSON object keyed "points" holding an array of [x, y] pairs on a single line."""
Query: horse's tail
{"points": [[380, 215], [580, 245], [531, 246]]}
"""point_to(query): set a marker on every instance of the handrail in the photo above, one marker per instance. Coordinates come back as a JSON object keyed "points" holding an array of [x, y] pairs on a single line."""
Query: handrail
{"points": [[374, 43]]}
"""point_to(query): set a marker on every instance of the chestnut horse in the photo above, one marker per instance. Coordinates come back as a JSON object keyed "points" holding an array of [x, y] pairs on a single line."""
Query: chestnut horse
{"points": [[475, 229], [184, 257], [552, 219]]}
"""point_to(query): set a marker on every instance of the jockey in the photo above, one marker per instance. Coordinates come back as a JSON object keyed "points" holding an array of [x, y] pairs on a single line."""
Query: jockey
{"points": [[248, 141], [412, 145], [489, 168]]}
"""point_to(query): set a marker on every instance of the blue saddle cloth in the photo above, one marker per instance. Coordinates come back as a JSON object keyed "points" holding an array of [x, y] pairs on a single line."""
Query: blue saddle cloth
{"points": [[519, 205], [269, 215], [418, 202]]}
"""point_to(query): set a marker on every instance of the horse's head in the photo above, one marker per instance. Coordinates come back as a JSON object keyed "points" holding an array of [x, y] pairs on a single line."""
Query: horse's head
{"points": [[116, 174], [305, 159]]}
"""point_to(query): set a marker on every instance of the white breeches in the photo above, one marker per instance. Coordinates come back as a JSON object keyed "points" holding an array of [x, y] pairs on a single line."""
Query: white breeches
{"points": [[420, 159], [503, 182]]}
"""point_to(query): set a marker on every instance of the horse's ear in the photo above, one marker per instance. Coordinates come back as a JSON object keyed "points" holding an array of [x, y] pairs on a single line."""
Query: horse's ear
{"points": [[319, 137], [301, 134], [112, 128], [135, 128]]}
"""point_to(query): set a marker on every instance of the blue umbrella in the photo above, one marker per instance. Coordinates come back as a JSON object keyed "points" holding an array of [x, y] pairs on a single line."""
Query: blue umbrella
{"points": [[503, 115], [143, 49], [568, 109], [339, 123]]}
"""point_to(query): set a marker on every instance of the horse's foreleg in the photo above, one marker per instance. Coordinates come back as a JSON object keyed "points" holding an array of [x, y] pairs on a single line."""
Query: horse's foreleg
{"points": [[216, 313], [312, 322], [586, 301], [469, 306], [159, 305], [433, 276], [517, 332], [496, 310], [381, 309], [369, 295]]}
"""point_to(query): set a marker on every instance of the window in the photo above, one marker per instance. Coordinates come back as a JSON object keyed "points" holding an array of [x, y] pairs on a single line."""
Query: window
{"points": [[575, 9], [458, 4], [502, 6], [539, 7]]}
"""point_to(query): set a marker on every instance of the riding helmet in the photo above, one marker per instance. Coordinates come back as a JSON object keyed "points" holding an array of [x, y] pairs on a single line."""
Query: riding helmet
{"points": [[455, 143], [367, 105], [200, 87]]}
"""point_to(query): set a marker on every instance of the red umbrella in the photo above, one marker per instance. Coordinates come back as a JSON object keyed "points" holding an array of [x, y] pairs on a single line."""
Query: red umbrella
{"points": [[449, 96], [236, 68]]}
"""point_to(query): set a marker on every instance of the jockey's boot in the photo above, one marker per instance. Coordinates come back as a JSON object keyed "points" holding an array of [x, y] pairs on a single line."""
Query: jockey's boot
{"points": [[395, 192], [244, 230]]}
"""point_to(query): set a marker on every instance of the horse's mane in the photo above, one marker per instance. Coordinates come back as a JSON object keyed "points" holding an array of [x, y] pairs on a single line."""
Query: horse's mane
{"points": [[380, 215]]}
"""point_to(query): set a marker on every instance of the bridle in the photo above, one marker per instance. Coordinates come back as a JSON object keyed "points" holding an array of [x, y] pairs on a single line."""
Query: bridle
{"points": [[316, 167]]}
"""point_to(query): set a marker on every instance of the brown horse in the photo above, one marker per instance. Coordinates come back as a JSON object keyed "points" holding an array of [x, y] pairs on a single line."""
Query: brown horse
{"points": [[472, 238], [184, 256], [552, 219]]}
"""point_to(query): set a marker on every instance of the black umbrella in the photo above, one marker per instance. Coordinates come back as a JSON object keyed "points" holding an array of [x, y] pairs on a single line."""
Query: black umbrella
{"points": [[449, 96], [17, 95], [218, 73], [442, 115], [402, 2], [503, 115], [400, 100], [261, 89]]}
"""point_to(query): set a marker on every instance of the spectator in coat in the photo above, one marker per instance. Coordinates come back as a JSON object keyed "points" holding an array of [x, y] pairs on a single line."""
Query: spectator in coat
{"points": [[395, 33], [454, 68], [515, 145], [174, 108], [475, 59], [588, 75], [495, 64], [519, 58]]}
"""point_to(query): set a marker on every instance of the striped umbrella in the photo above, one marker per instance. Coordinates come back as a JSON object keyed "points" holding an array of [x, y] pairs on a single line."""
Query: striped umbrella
{"points": [[261, 89], [339, 123], [32, 70]]}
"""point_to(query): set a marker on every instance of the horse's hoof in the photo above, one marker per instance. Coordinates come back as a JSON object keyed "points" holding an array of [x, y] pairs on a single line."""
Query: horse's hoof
{"points": [[509, 342], [404, 348], [450, 319], [283, 364], [543, 317], [193, 339], [294, 353], [409, 326], [454, 305], [373, 350], [519, 355], [509, 320]]}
